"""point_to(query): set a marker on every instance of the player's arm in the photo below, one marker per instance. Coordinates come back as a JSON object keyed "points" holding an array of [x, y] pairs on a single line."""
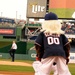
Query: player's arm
{"points": [[66, 45], [39, 51], [39, 46], [67, 52], [67, 49]]}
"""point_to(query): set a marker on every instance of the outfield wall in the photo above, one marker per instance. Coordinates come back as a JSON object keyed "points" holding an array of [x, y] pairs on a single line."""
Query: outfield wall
{"points": [[22, 53], [72, 58], [30, 56], [5, 47]]}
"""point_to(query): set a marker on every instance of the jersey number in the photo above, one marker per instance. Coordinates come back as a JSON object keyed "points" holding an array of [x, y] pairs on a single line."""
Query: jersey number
{"points": [[52, 40]]}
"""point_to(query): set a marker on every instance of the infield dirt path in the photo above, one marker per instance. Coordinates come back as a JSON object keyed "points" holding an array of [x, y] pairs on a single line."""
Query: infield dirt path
{"points": [[14, 63], [17, 64]]}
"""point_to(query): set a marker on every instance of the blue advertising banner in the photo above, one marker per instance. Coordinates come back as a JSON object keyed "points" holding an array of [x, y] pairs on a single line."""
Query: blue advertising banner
{"points": [[8, 20]]}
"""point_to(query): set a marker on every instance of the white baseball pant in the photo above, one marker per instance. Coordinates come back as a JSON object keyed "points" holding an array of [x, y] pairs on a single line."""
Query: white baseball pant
{"points": [[37, 64], [46, 66]]}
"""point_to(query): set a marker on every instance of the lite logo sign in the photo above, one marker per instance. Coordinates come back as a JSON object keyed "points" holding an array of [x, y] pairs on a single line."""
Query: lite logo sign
{"points": [[37, 8]]}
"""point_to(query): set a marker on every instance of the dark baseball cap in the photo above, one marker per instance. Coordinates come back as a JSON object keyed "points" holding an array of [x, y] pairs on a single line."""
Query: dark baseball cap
{"points": [[51, 16]]}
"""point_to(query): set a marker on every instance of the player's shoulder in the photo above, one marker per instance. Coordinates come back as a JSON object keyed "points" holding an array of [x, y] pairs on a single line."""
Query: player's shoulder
{"points": [[63, 36], [41, 34]]}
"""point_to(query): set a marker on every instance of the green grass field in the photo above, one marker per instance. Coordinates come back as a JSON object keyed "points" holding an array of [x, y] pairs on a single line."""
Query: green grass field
{"points": [[16, 68], [28, 69], [72, 68]]}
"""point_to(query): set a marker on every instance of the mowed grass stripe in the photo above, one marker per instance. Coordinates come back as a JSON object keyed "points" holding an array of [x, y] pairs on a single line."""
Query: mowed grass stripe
{"points": [[29, 69], [11, 68]]}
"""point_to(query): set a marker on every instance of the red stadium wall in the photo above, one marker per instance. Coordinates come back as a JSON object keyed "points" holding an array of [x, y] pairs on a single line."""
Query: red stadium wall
{"points": [[62, 4]]}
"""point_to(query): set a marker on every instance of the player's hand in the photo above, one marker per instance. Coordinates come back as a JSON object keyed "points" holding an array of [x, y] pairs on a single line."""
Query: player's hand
{"points": [[67, 60], [38, 59]]}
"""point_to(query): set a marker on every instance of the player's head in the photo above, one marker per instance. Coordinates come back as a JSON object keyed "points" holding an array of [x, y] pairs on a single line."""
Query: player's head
{"points": [[52, 24], [13, 41], [51, 16]]}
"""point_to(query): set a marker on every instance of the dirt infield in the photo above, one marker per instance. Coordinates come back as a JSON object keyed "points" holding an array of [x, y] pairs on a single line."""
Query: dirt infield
{"points": [[16, 73], [16, 64]]}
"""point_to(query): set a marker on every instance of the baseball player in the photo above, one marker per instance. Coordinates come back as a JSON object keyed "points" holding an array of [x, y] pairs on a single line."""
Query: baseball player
{"points": [[52, 46], [13, 50]]}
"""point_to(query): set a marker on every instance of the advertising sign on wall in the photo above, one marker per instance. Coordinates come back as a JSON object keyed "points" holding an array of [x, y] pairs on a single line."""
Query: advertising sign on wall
{"points": [[63, 8], [36, 8], [7, 31]]}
